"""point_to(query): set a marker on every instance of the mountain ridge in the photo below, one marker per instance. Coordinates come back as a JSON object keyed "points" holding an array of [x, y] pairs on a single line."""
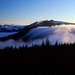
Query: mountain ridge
{"points": [[49, 23], [27, 28], [10, 28]]}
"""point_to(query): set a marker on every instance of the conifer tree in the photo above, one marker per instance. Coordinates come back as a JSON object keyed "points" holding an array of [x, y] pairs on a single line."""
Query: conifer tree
{"points": [[43, 43], [56, 44], [47, 42]]}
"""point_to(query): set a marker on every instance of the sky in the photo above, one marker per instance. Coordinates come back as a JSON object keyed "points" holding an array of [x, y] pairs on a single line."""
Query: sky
{"points": [[25, 12]]}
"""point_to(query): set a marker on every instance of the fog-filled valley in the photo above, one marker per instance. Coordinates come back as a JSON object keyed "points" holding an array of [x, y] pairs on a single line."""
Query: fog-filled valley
{"points": [[61, 34]]}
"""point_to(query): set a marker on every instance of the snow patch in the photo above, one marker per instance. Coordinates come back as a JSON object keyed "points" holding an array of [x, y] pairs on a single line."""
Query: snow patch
{"points": [[58, 22], [4, 34]]}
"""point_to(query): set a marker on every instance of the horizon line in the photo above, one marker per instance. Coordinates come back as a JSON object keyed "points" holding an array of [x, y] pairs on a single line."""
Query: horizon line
{"points": [[35, 21]]}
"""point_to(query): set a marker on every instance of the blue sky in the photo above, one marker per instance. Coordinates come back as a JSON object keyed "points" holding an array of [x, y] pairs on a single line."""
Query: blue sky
{"points": [[25, 12]]}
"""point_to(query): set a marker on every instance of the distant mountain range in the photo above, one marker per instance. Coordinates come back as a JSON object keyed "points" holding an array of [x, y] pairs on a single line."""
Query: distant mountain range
{"points": [[24, 29], [14, 28], [10, 28]]}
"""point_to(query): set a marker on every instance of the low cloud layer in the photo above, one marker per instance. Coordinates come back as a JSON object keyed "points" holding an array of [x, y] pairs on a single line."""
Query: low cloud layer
{"points": [[64, 34]]}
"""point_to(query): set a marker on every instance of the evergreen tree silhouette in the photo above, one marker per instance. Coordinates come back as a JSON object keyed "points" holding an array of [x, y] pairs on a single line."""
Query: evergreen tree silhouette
{"points": [[43, 45], [56, 44], [67, 44], [26, 46], [47, 42], [64, 44]]}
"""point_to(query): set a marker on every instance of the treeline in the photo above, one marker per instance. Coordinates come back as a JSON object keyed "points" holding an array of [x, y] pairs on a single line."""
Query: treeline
{"points": [[37, 60], [43, 45]]}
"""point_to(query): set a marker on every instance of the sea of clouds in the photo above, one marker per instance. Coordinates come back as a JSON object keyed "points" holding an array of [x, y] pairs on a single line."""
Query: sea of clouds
{"points": [[62, 33]]}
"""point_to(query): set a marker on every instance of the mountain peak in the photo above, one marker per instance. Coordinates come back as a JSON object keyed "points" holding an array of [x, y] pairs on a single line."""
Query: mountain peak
{"points": [[48, 23]]}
